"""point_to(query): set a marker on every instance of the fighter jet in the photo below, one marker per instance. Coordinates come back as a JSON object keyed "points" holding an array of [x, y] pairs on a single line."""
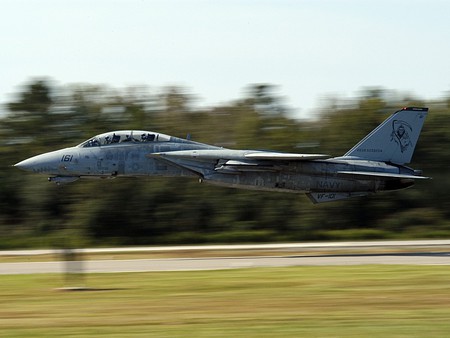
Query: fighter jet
{"points": [[376, 163]]}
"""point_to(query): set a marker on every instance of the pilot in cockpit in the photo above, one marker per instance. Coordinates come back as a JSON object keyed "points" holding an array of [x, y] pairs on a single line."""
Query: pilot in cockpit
{"points": [[147, 137], [115, 138]]}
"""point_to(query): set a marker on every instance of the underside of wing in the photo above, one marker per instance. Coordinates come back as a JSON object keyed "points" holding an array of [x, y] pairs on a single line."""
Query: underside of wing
{"points": [[377, 175], [236, 167]]}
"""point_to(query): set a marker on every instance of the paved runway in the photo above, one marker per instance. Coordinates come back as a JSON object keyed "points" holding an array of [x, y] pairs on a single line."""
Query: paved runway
{"points": [[430, 244], [185, 264]]}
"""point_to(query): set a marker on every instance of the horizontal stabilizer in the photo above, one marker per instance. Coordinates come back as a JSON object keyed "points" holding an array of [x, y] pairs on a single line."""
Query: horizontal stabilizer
{"points": [[377, 175], [265, 155], [322, 197]]}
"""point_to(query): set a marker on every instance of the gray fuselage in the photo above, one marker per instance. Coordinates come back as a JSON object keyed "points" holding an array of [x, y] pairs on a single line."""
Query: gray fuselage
{"points": [[144, 159]]}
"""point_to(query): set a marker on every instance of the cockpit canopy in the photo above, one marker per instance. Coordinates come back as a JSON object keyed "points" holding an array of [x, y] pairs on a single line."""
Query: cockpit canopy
{"points": [[121, 136]]}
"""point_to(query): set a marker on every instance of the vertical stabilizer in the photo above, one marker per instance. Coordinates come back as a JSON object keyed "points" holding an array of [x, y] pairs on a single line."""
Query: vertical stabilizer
{"points": [[394, 140]]}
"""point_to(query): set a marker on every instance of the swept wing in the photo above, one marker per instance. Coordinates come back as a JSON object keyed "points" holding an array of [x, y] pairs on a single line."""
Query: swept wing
{"points": [[217, 154], [229, 161]]}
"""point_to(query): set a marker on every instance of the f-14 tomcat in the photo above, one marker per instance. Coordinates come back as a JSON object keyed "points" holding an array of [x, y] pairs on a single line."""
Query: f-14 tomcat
{"points": [[376, 163]]}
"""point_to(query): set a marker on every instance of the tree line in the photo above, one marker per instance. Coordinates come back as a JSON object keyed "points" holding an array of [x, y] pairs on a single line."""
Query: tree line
{"points": [[44, 116]]}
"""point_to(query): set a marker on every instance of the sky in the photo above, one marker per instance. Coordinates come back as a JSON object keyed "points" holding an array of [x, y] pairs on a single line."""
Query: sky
{"points": [[310, 50]]}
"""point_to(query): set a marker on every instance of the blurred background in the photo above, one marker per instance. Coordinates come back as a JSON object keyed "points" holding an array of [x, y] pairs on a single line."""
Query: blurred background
{"points": [[45, 117], [296, 76]]}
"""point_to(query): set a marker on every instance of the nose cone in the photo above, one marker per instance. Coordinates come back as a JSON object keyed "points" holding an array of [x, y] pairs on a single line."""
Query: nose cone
{"points": [[37, 164], [26, 165], [53, 163]]}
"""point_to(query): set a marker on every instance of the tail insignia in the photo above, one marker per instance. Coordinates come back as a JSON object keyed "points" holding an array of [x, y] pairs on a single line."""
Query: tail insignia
{"points": [[400, 134]]}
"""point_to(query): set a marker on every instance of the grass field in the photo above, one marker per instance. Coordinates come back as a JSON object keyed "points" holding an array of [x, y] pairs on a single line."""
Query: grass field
{"points": [[341, 301]]}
